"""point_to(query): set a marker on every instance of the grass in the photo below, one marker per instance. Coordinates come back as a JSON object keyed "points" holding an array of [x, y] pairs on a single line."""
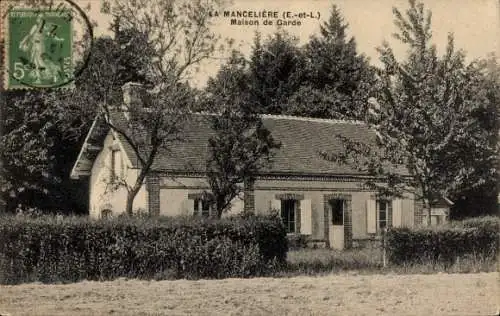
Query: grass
{"points": [[369, 261], [313, 261]]}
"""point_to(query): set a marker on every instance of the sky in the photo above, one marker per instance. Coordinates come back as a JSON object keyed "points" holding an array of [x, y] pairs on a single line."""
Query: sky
{"points": [[475, 24]]}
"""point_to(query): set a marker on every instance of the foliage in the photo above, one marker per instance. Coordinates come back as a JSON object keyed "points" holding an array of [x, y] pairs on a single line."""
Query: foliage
{"points": [[26, 144], [325, 78], [275, 72], [44, 129], [297, 241], [241, 145], [482, 199], [113, 61], [37, 154], [426, 113], [51, 249], [444, 245], [337, 81], [490, 223], [176, 37]]}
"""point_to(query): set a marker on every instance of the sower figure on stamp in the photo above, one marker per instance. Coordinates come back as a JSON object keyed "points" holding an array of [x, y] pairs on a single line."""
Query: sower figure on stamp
{"points": [[34, 43]]}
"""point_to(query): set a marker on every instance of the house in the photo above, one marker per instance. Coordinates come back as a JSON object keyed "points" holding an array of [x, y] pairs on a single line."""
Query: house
{"points": [[325, 201]]}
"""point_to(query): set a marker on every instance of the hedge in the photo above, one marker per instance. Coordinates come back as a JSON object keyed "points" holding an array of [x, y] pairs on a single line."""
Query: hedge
{"points": [[477, 238], [47, 249]]}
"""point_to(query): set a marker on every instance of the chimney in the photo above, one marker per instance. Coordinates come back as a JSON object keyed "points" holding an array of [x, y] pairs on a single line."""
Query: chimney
{"points": [[133, 94]]}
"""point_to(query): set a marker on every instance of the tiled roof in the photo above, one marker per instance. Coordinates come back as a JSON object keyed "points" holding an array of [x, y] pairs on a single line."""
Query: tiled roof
{"points": [[302, 139]]}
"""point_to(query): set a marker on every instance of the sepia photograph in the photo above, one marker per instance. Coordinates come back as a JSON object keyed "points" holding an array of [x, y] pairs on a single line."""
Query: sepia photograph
{"points": [[238, 157]]}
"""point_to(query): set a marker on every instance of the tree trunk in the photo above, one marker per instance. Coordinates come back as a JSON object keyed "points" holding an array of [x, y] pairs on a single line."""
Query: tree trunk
{"points": [[429, 212], [138, 184], [219, 207], [130, 199]]}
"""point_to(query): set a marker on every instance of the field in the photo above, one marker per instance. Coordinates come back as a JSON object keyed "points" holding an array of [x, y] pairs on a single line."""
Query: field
{"points": [[333, 294]]}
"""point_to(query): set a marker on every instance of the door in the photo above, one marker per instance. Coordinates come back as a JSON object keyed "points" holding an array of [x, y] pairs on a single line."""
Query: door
{"points": [[336, 225]]}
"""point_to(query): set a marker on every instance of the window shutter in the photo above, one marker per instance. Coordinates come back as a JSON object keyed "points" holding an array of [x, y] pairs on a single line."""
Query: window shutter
{"points": [[305, 217], [276, 205], [397, 213], [371, 217], [190, 207]]}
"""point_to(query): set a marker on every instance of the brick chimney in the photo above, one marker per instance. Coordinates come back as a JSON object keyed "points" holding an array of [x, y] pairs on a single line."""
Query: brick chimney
{"points": [[133, 94]]}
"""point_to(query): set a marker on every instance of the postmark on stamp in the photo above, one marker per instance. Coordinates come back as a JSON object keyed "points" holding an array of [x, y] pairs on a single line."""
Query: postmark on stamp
{"points": [[47, 44], [40, 49]]}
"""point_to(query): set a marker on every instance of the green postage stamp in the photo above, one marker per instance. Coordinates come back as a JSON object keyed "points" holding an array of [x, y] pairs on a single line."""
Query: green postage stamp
{"points": [[39, 48]]}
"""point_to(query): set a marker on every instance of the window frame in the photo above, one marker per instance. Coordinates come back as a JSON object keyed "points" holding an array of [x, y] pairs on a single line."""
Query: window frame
{"points": [[106, 213], [117, 168], [286, 218], [202, 207], [387, 210]]}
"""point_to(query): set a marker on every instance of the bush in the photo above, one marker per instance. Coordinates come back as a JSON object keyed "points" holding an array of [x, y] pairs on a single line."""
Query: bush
{"points": [[444, 245], [47, 249], [484, 222], [297, 241]]}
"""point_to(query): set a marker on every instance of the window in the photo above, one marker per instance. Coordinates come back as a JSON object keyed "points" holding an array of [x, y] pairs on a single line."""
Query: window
{"points": [[201, 207], [337, 207], [288, 210], [106, 213], [383, 211], [116, 164]]}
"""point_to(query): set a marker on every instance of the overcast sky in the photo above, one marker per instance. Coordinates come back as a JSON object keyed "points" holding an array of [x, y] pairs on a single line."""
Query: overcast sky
{"points": [[475, 23]]}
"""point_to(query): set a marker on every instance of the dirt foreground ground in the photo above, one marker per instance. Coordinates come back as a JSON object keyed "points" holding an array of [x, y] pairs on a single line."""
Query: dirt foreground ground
{"points": [[344, 294]]}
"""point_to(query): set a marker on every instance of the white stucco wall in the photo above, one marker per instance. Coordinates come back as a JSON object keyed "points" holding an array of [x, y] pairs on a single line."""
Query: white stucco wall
{"points": [[174, 193], [101, 196], [266, 190], [174, 200], [174, 196]]}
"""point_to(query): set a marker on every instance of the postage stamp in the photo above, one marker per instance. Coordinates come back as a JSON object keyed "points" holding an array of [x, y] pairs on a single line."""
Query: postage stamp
{"points": [[39, 48]]}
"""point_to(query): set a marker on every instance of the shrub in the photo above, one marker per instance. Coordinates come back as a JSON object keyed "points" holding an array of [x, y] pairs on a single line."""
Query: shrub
{"points": [[490, 223], [70, 249], [443, 245], [297, 241]]}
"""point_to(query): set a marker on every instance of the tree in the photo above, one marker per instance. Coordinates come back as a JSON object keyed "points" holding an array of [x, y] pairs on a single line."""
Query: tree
{"points": [[26, 147], [275, 71], [482, 199], [45, 129], [176, 37], [230, 85], [426, 119], [337, 80], [241, 145]]}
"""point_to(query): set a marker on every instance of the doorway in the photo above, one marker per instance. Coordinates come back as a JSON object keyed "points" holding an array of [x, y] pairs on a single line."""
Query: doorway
{"points": [[336, 225]]}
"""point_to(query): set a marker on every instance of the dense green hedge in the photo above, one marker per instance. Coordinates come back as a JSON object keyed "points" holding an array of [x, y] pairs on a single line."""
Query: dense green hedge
{"points": [[66, 250], [476, 237]]}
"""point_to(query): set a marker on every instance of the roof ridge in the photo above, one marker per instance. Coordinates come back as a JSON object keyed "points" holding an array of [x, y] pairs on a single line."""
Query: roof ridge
{"points": [[297, 118], [313, 119]]}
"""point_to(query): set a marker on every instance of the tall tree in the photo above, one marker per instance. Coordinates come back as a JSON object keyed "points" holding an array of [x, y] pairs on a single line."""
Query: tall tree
{"points": [[26, 149], [483, 198], [230, 85], [275, 71], [425, 117], [45, 129], [242, 145], [180, 37], [337, 80]]}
